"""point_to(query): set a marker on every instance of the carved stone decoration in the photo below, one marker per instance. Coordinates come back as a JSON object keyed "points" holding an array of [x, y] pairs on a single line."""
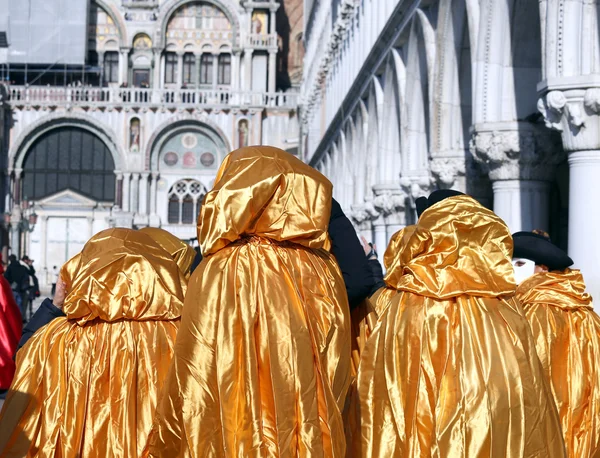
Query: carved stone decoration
{"points": [[591, 100], [364, 213], [447, 169], [418, 186], [524, 152]]}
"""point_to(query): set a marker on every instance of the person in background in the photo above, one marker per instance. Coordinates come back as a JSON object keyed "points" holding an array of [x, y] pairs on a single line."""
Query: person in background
{"points": [[361, 271], [17, 276], [10, 332], [451, 368], [54, 275], [87, 384], [262, 362], [50, 309], [567, 335], [34, 284]]}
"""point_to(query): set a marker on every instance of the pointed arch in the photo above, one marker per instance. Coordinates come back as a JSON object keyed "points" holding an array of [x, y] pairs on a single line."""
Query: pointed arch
{"points": [[416, 113], [453, 89], [390, 143], [508, 61], [374, 103]]}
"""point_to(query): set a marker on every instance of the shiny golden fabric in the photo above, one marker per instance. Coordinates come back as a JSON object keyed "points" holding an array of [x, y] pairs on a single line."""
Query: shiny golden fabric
{"points": [[87, 385], [181, 252], [451, 368], [364, 317], [567, 336], [262, 360]]}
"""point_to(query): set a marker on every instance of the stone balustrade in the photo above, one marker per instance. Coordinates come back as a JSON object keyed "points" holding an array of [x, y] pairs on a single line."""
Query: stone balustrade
{"points": [[168, 98]]}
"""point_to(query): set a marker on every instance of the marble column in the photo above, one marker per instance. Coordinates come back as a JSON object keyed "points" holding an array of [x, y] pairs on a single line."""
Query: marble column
{"points": [[179, 70], [520, 159], [215, 69], [271, 77], [572, 107], [143, 204], [247, 80], [235, 69], [135, 180], [90, 222], [156, 62], [153, 193], [196, 77], [43, 221], [124, 66], [126, 188], [390, 202]]}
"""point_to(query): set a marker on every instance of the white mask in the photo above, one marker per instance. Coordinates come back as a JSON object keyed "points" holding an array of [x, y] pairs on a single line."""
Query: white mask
{"points": [[524, 268]]}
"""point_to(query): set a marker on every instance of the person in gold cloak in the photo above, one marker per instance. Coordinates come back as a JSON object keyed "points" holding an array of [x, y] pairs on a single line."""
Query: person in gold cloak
{"points": [[567, 337], [451, 368], [87, 384], [262, 359]]}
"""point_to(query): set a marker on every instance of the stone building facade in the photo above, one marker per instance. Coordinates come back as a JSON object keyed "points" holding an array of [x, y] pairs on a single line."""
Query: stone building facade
{"points": [[497, 98], [135, 138]]}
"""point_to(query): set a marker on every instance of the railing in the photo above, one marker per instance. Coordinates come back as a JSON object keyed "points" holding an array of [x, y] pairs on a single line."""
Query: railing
{"points": [[95, 96], [259, 40]]}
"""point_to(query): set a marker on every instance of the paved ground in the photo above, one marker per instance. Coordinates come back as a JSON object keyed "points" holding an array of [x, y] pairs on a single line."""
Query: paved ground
{"points": [[36, 305]]}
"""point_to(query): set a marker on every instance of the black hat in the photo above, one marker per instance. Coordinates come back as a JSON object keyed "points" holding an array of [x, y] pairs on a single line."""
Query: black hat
{"points": [[423, 203], [538, 247]]}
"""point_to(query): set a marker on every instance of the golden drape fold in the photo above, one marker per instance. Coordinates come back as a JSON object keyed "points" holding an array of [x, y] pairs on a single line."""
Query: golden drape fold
{"points": [[567, 337], [181, 252], [451, 368], [262, 359], [87, 385]]}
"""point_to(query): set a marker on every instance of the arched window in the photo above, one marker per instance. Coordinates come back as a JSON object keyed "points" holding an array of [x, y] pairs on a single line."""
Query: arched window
{"points": [[69, 158], [170, 68], [206, 69], [185, 198], [224, 76], [189, 68]]}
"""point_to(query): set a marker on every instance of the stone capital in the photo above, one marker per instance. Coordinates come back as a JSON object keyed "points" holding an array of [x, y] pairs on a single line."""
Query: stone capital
{"points": [[388, 199], [363, 213], [516, 150], [575, 113], [446, 169], [417, 186]]}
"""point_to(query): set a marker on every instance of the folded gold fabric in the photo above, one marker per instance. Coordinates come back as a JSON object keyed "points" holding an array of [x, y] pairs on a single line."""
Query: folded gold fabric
{"points": [[262, 360], [87, 385], [451, 368], [567, 337], [181, 252]]}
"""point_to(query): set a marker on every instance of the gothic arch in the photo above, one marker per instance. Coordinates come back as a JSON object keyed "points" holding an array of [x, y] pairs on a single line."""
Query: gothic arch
{"points": [[390, 141], [117, 19], [33, 131], [169, 7], [508, 61], [177, 124], [416, 112], [374, 103]]}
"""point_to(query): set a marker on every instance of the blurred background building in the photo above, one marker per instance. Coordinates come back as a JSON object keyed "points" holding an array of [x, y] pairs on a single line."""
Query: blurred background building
{"points": [[119, 112], [497, 98]]}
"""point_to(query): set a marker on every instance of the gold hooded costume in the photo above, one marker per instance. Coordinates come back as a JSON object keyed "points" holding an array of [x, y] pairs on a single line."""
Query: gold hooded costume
{"points": [[365, 316], [181, 252], [567, 335], [87, 384], [451, 368], [262, 359]]}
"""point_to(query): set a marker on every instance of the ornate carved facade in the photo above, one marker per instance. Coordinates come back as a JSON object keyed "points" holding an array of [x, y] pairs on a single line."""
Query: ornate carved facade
{"points": [[497, 98], [134, 138]]}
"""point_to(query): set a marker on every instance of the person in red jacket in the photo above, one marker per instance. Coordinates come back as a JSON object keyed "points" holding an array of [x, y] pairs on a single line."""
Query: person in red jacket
{"points": [[10, 332]]}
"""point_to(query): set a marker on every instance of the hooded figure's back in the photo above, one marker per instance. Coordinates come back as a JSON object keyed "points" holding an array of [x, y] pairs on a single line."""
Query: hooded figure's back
{"points": [[87, 384], [451, 369], [567, 335], [262, 361]]}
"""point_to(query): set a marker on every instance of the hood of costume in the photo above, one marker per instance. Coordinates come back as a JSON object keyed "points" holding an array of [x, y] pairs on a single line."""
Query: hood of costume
{"points": [[87, 384], [451, 365], [262, 363]]}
